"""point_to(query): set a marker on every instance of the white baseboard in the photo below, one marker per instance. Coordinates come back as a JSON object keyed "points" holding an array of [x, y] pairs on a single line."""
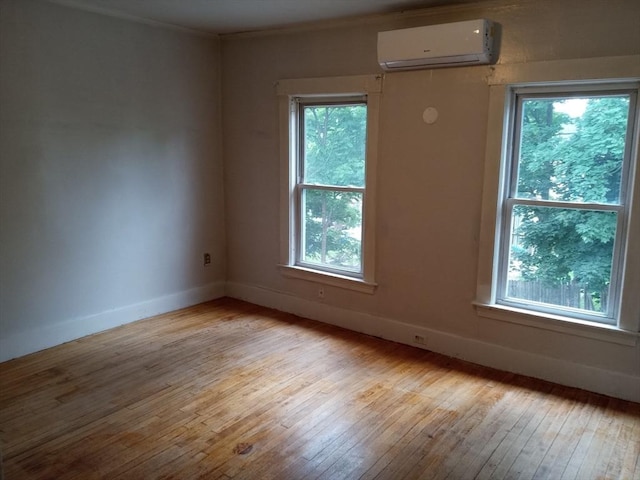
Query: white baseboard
{"points": [[23, 343], [555, 370]]}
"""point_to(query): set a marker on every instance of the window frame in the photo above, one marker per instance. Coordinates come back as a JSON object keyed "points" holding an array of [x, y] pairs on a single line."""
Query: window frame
{"points": [[518, 95], [325, 89], [593, 74], [301, 102]]}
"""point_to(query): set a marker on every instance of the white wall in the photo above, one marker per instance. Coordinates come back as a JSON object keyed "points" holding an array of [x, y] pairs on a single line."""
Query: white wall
{"points": [[429, 183], [111, 173]]}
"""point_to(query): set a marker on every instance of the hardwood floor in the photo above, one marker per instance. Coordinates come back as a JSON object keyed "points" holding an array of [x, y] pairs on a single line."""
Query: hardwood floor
{"points": [[230, 390]]}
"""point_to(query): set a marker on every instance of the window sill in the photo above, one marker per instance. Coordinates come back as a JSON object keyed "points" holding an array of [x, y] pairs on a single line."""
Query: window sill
{"points": [[332, 279], [557, 323]]}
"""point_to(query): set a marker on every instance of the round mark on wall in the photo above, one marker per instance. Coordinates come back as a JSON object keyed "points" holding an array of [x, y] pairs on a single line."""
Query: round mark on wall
{"points": [[430, 115]]}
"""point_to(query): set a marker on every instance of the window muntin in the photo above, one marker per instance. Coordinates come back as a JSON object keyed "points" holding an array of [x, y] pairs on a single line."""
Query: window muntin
{"points": [[566, 201], [330, 183]]}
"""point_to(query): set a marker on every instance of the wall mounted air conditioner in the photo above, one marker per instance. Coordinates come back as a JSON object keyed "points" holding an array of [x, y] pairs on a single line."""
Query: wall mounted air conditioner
{"points": [[446, 45]]}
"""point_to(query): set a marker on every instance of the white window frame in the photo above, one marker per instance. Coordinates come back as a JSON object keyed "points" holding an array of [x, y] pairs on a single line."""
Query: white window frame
{"points": [[509, 200], [369, 86], [301, 184], [503, 80]]}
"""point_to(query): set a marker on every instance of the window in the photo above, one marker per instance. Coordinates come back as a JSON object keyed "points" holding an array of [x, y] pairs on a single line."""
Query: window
{"points": [[559, 235], [330, 183], [329, 127], [565, 206]]}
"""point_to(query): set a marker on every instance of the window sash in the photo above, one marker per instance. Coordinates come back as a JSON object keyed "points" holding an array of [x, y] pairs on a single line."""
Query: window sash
{"points": [[520, 94], [323, 101], [502, 297], [300, 236]]}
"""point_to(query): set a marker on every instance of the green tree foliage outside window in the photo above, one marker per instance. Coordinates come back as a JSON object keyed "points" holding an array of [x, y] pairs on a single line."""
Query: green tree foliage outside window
{"points": [[567, 156]]}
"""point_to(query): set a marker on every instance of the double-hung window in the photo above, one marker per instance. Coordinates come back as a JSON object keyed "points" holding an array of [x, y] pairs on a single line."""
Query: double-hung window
{"points": [[329, 128], [330, 183], [566, 200], [561, 225]]}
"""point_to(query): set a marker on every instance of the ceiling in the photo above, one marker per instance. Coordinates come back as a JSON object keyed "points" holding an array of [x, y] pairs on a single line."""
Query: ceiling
{"points": [[232, 16]]}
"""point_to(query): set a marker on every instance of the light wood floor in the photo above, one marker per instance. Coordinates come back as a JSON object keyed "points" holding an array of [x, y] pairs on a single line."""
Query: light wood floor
{"points": [[230, 390]]}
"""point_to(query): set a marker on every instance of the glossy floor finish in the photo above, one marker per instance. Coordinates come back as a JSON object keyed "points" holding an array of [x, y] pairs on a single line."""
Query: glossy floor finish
{"points": [[230, 390]]}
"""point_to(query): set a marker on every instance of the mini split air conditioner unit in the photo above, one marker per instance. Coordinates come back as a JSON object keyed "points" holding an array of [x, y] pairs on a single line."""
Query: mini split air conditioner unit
{"points": [[447, 45]]}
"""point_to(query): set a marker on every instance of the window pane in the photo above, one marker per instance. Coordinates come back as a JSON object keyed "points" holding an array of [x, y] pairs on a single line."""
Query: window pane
{"points": [[332, 228], [334, 144], [571, 149], [561, 257]]}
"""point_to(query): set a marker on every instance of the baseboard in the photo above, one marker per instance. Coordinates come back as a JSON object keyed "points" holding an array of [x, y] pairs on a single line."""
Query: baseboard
{"points": [[555, 370], [23, 343]]}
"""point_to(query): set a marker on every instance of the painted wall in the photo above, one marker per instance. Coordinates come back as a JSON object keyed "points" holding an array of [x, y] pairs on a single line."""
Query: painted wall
{"points": [[111, 173], [429, 183]]}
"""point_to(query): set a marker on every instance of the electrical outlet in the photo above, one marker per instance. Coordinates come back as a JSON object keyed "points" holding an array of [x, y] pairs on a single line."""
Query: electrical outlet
{"points": [[419, 339], [321, 292], [207, 259]]}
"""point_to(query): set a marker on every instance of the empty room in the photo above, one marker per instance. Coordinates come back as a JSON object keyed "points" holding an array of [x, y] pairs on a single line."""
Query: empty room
{"points": [[319, 239]]}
